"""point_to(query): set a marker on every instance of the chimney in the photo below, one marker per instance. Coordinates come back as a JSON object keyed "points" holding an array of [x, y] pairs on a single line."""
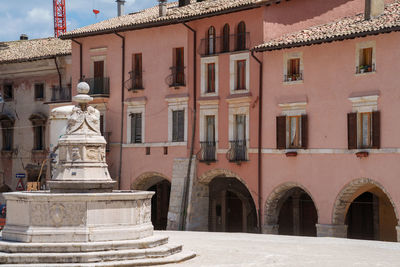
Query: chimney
{"points": [[162, 8], [120, 7], [184, 2], [23, 37], [373, 8]]}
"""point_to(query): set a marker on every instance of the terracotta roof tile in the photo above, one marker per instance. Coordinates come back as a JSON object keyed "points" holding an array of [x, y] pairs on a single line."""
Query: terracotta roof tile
{"points": [[27, 50], [344, 28], [150, 16]]}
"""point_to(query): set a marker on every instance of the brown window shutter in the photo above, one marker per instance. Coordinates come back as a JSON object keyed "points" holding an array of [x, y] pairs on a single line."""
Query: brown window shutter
{"points": [[352, 130], [376, 129], [304, 131], [281, 132]]}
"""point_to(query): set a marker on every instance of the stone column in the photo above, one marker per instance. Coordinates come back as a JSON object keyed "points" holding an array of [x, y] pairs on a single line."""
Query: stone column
{"points": [[331, 230], [398, 233], [270, 229]]}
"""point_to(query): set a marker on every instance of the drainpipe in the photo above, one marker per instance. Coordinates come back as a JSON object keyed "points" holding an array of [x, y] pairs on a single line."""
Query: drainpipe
{"points": [[122, 108], [184, 204], [80, 59], [259, 169], [59, 73]]}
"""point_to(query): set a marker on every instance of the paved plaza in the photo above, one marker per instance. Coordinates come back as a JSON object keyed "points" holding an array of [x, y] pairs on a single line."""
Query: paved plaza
{"points": [[239, 249]]}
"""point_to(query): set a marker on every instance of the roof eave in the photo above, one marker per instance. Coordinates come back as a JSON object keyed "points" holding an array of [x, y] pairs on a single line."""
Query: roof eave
{"points": [[33, 59], [167, 22], [327, 40]]}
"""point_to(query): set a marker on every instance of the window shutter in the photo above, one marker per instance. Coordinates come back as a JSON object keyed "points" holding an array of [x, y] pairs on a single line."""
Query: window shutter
{"points": [[304, 131], [181, 126], [281, 132], [352, 130], [138, 128], [376, 129]]}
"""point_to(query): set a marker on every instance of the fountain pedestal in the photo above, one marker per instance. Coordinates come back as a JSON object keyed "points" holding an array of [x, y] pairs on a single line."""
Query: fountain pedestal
{"points": [[81, 220]]}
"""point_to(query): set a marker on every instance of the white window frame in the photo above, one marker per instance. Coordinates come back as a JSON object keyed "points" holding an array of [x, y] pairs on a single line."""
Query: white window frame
{"points": [[363, 104], [174, 104], [292, 55], [203, 71], [238, 108], [363, 45], [209, 108], [291, 110], [135, 107], [233, 72]]}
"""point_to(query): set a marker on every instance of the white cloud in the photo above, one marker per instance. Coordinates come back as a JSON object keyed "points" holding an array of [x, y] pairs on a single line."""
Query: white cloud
{"points": [[39, 15]]}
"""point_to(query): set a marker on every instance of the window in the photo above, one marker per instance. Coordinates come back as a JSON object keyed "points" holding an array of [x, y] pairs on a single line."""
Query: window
{"points": [[39, 91], [178, 69], [178, 125], [365, 61], [210, 78], [293, 70], [241, 36], [363, 130], [291, 131], [136, 128], [7, 130], [240, 127], [8, 92], [225, 38], [137, 73], [241, 75], [238, 148], [210, 48], [208, 147], [38, 122]]}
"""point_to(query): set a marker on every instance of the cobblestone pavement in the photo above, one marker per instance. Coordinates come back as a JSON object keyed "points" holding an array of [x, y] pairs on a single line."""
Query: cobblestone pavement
{"points": [[239, 249]]}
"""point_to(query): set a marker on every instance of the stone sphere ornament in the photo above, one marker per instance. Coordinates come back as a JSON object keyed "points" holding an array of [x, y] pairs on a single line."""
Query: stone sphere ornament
{"points": [[83, 88]]}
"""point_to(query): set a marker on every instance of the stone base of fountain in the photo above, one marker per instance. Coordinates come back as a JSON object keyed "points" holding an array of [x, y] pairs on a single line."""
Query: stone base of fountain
{"points": [[104, 229]]}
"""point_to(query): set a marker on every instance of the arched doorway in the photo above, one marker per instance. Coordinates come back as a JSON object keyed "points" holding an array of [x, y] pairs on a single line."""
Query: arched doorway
{"points": [[290, 210], [231, 206], [160, 204], [159, 184], [367, 210]]}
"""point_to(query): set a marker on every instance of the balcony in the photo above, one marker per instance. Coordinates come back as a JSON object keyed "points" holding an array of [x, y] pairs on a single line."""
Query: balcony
{"points": [[60, 94], [207, 151], [293, 77], [136, 81], [365, 69], [235, 42], [237, 151], [99, 87], [177, 77]]}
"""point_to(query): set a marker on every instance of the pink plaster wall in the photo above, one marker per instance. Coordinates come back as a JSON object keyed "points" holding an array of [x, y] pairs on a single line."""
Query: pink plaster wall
{"points": [[329, 79]]}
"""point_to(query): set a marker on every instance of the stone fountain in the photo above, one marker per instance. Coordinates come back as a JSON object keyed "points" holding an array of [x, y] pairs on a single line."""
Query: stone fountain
{"points": [[81, 221]]}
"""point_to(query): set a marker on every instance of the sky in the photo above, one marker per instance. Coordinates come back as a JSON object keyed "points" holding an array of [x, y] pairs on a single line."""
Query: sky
{"points": [[35, 17]]}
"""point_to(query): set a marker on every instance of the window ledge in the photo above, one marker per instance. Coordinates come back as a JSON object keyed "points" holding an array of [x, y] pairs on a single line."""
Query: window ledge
{"points": [[7, 152], [240, 91], [38, 151], [364, 73], [293, 82], [161, 144]]}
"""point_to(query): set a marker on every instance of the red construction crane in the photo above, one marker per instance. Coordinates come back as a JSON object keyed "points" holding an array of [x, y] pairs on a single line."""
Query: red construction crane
{"points": [[60, 20]]}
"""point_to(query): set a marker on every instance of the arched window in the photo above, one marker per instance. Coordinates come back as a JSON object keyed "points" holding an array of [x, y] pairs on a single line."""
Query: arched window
{"points": [[241, 36], [211, 41], [225, 38]]}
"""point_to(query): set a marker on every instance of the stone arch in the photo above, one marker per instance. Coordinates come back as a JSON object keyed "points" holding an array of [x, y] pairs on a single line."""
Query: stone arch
{"points": [[206, 177], [148, 179], [348, 194], [274, 202]]}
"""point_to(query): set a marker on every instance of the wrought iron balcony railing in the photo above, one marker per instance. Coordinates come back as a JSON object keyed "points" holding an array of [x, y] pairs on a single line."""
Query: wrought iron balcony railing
{"points": [[207, 151], [221, 44], [60, 94], [293, 77], [237, 151], [99, 86], [177, 77], [136, 81], [365, 68]]}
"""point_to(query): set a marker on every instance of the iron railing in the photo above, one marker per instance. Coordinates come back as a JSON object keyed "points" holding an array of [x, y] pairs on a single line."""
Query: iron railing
{"points": [[177, 77], [365, 68], [219, 44], [293, 77], [136, 81], [107, 137], [237, 151], [207, 151], [99, 86], [60, 94]]}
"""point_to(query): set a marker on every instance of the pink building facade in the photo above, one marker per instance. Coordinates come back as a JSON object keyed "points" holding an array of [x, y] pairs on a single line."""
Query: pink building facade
{"points": [[239, 124]]}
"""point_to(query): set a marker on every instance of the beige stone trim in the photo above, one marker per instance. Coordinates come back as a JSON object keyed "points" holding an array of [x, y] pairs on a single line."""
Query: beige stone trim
{"points": [[233, 72], [148, 179], [98, 49], [203, 75]]}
